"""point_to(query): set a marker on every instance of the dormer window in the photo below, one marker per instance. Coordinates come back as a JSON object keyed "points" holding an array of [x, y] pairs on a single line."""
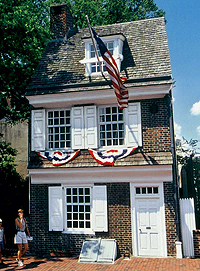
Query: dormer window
{"points": [[115, 46]]}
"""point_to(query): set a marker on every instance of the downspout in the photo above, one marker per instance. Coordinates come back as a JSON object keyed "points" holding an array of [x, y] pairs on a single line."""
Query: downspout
{"points": [[175, 175]]}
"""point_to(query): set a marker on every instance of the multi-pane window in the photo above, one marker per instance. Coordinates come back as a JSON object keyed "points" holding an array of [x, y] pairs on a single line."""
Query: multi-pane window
{"points": [[58, 129], [146, 190], [95, 65], [78, 207], [111, 126]]}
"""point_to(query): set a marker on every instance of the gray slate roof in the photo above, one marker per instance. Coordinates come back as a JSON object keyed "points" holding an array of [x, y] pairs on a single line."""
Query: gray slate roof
{"points": [[145, 52]]}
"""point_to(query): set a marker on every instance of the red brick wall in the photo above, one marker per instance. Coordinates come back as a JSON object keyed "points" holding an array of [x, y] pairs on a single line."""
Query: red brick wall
{"points": [[119, 216], [170, 219], [155, 127], [196, 238]]}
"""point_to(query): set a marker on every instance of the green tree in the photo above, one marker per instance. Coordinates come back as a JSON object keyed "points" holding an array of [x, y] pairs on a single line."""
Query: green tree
{"points": [[13, 189], [24, 32], [103, 12]]}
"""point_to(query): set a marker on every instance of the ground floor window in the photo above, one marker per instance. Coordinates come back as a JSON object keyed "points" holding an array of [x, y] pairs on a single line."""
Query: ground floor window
{"points": [[78, 207]]}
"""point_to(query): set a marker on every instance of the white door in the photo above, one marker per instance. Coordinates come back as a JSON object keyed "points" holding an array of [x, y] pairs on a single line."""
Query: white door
{"points": [[148, 227]]}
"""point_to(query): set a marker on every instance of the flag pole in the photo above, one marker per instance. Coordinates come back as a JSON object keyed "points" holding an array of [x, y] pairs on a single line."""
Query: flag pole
{"points": [[95, 47]]}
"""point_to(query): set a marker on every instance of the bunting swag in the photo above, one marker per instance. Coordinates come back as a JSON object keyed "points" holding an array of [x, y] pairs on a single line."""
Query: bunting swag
{"points": [[58, 158], [121, 91], [108, 157]]}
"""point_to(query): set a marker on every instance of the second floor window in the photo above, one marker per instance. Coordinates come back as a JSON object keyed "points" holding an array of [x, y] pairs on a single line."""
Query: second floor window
{"points": [[111, 126], [58, 129], [83, 127]]}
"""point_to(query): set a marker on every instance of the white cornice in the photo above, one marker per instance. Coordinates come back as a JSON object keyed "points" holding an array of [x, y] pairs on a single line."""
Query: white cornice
{"points": [[157, 173], [97, 96]]}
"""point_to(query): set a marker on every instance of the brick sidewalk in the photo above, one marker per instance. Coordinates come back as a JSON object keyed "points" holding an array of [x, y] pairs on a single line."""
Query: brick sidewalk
{"points": [[134, 264]]}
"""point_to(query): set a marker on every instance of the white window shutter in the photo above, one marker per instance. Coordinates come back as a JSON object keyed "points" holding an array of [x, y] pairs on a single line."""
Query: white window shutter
{"points": [[38, 130], [133, 125], [100, 216], [55, 208], [90, 126], [77, 128]]}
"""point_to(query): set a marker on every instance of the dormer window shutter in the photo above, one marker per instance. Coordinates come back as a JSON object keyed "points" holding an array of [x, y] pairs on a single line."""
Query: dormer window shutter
{"points": [[133, 125], [38, 130]]}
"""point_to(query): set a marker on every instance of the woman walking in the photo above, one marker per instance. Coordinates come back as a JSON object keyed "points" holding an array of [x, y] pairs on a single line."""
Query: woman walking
{"points": [[21, 227]]}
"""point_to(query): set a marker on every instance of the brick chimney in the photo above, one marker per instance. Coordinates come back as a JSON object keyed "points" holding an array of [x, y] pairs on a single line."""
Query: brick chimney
{"points": [[61, 20]]}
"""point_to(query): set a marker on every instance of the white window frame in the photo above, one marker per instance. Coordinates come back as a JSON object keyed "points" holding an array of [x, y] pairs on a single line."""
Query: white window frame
{"points": [[117, 53], [85, 131], [59, 126], [131, 115], [112, 123], [78, 230]]}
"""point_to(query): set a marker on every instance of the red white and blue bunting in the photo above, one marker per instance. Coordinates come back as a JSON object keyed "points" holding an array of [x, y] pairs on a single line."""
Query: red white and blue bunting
{"points": [[109, 157], [58, 158]]}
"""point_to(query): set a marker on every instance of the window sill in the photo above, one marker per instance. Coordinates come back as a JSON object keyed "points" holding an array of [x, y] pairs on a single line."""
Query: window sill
{"points": [[89, 231]]}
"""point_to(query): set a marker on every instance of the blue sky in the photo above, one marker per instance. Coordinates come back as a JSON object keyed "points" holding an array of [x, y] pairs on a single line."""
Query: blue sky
{"points": [[183, 32]]}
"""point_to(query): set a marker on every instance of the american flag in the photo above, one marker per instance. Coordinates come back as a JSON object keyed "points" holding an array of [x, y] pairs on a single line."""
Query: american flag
{"points": [[113, 71]]}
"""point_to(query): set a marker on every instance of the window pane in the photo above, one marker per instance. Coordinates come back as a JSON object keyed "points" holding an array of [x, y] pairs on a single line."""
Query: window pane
{"points": [[75, 199], [69, 216], [87, 216], [81, 208], [87, 209], [155, 190], [78, 207], [87, 191], [143, 190], [112, 125], [87, 199], [137, 190], [59, 129], [75, 191], [69, 208], [87, 225], [75, 208], [75, 224], [80, 191], [69, 224]]}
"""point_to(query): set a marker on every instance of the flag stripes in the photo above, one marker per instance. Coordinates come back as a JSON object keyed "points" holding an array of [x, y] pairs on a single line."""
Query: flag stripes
{"points": [[121, 91]]}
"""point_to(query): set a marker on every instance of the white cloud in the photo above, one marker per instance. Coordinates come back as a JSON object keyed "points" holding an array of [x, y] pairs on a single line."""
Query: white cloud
{"points": [[177, 129], [195, 110]]}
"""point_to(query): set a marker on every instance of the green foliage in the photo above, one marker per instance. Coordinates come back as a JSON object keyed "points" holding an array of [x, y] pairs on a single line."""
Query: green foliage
{"points": [[13, 189], [103, 12], [24, 31]]}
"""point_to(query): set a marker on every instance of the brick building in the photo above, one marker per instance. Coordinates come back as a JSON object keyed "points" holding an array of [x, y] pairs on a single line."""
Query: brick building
{"points": [[75, 109]]}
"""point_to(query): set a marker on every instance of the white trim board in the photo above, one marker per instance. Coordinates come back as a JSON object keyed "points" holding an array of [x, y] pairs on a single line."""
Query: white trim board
{"points": [[101, 96], [157, 173]]}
